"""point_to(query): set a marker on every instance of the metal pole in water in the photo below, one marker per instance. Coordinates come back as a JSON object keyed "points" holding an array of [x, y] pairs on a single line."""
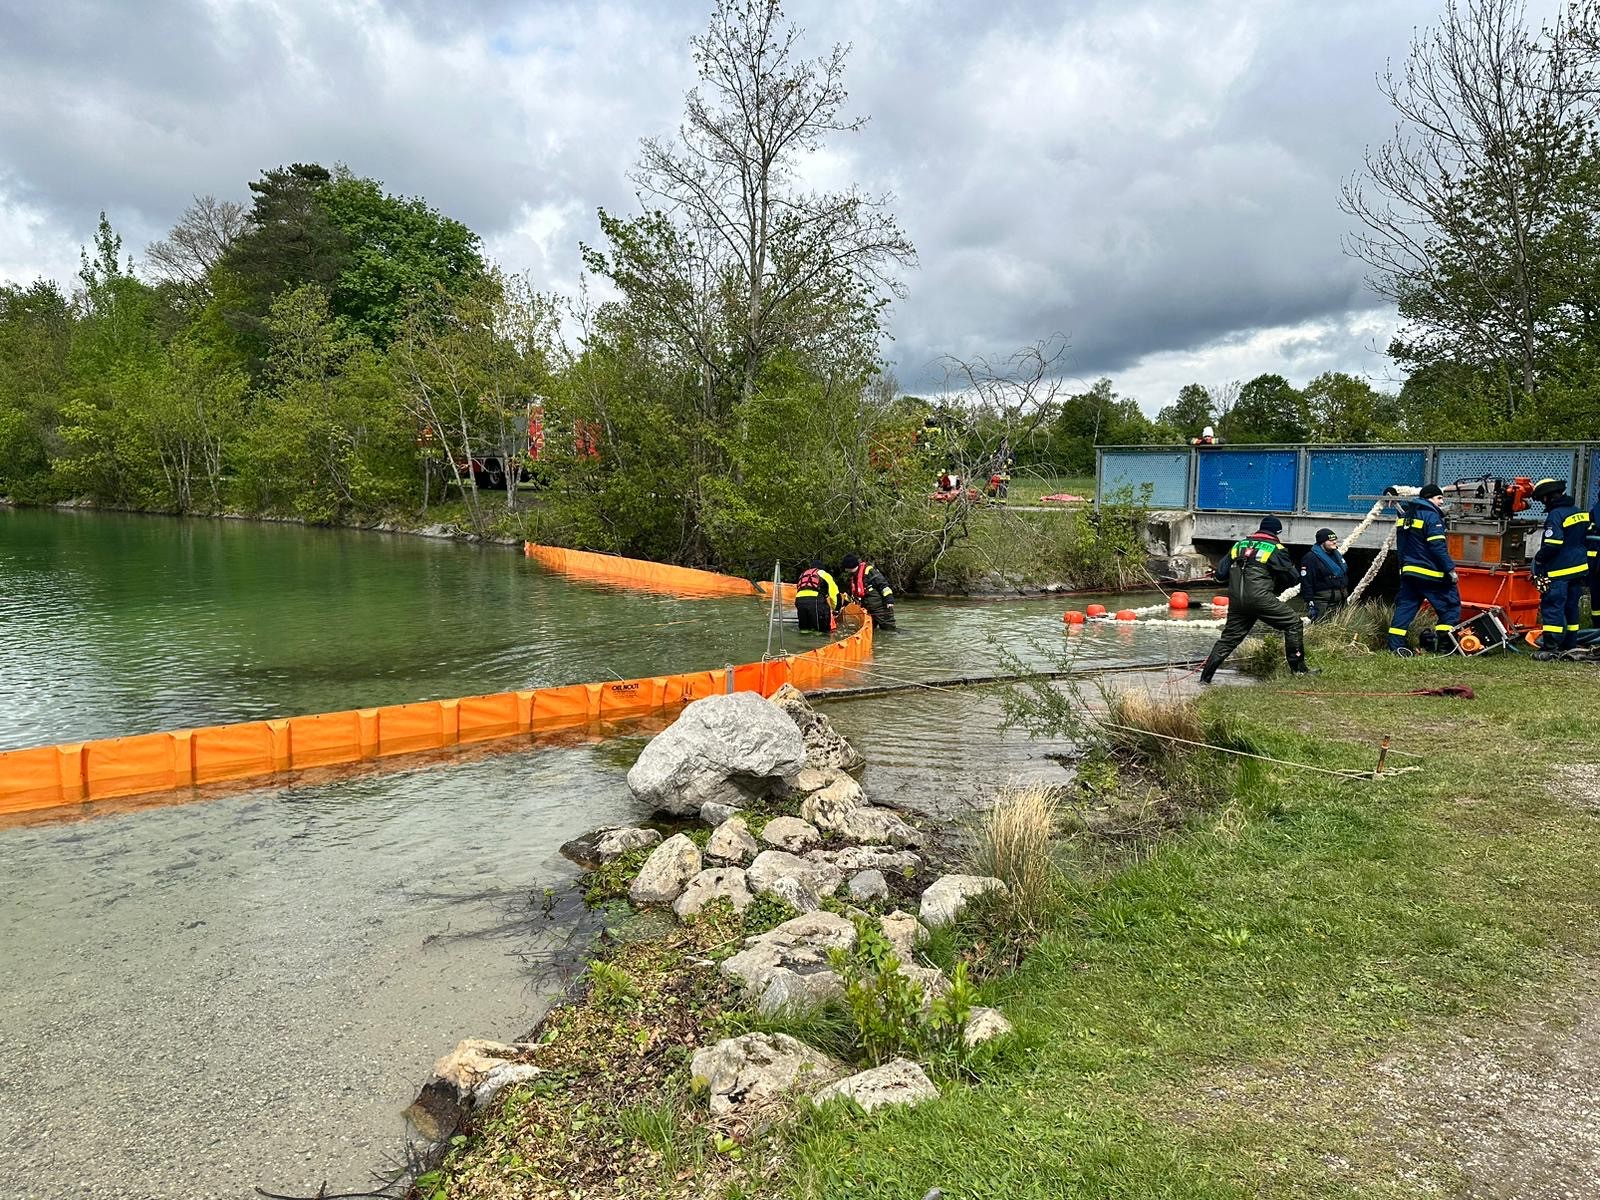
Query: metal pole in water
{"points": [[772, 609], [729, 677]]}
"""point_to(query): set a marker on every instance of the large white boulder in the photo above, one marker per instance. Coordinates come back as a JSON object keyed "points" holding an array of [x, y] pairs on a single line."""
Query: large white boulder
{"points": [[872, 824], [751, 1077], [717, 883], [727, 749], [731, 842], [897, 1082], [666, 872]]}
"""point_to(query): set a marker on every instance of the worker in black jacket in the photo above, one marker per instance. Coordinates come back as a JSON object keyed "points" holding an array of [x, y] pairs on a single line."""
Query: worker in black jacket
{"points": [[1324, 577], [869, 587], [1256, 569], [816, 599]]}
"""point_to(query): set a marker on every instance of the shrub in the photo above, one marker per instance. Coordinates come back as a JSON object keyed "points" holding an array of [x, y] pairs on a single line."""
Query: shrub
{"points": [[1141, 725]]}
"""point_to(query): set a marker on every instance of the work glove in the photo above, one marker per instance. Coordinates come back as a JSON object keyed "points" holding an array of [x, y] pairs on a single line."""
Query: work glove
{"points": [[1454, 578]]}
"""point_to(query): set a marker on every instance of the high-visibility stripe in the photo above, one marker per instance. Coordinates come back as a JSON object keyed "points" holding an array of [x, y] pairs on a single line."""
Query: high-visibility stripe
{"points": [[1443, 628], [1577, 570], [1572, 628], [1410, 569], [1398, 632], [1550, 541], [1576, 518], [1555, 629], [1438, 537]]}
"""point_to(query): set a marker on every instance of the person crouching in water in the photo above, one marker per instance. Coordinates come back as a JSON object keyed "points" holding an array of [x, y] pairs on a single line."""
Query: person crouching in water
{"points": [[1324, 577], [816, 599], [868, 587], [1256, 570]]}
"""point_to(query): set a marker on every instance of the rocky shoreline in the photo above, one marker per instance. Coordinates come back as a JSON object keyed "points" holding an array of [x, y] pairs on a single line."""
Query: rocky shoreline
{"points": [[756, 827]]}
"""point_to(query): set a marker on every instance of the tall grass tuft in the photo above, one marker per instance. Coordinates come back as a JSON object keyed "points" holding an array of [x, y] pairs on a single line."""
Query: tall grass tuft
{"points": [[1141, 725], [1014, 842]]}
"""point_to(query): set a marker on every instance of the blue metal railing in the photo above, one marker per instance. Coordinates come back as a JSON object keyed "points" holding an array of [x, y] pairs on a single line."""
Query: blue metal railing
{"points": [[1324, 480]]}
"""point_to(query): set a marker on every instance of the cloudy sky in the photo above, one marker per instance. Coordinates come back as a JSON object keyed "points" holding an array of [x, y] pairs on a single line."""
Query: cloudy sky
{"points": [[1155, 179]]}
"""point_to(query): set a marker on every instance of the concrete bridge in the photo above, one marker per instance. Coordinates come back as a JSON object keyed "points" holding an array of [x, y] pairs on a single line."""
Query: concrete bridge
{"points": [[1202, 498]]}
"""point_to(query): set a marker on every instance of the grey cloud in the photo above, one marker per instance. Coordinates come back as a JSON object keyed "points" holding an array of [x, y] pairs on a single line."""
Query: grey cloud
{"points": [[1145, 178]]}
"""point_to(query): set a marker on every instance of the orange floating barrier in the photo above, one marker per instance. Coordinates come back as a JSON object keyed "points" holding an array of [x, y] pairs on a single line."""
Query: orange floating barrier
{"points": [[636, 573], [1096, 610], [1072, 617], [47, 777], [1178, 601], [1127, 614]]}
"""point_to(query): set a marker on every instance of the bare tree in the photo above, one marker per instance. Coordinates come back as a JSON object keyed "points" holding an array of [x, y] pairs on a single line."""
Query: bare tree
{"points": [[803, 266], [1454, 208], [197, 243], [1017, 393]]}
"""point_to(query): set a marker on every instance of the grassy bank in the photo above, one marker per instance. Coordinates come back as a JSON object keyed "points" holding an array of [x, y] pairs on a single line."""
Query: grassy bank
{"points": [[1222, 1018]]}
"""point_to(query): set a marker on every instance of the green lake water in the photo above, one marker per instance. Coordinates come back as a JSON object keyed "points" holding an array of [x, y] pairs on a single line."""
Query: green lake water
{"points": [[247, 989]]}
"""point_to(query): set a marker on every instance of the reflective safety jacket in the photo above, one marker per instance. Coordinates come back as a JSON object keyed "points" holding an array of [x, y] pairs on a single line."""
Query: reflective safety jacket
{"points": [[814, 581], [1257, 569], [1424, 551], [868, 586], [1565, 549]]}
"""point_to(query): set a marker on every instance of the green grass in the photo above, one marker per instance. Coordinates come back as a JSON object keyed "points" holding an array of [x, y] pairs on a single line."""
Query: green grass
{"points": [[1026, 487], [1190, 1029]]}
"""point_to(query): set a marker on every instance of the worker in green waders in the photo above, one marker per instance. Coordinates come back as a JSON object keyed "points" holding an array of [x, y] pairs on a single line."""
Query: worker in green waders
{"points": [[816, 599], [1256, 569]]}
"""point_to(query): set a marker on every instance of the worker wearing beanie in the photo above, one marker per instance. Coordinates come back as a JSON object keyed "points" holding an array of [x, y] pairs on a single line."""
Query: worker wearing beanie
{"points": [[1324, 577], [1427, 574], [1256, 569]]}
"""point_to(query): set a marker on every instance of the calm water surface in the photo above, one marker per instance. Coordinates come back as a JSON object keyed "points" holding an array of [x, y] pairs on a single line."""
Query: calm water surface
{"points": [[246, 990]]}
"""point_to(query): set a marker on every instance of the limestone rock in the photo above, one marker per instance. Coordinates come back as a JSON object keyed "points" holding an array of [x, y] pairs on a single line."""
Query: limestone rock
{"points": [[595, 849], [873, 824], [787, 967], [984, 1025], [812, 779], [869, 858], [866, 886], [827, 806], [897, 1082], [714, 814], [825, 747], [666, 872], [949, 895], [731, 842], [794, 892], [725, 748], [791, 834], [717, 883], [821, 878], [934, 982], [750, 1077], [905, 934], [501, 1077], [473, 1061]]}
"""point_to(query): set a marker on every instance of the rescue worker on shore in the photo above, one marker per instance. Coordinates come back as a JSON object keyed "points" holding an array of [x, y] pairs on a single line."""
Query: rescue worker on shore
{"points": [[816, 599], [1560, 565], [1594, 571], [1256, 569], [868, 587], [1427, 574], [1324, 577]]}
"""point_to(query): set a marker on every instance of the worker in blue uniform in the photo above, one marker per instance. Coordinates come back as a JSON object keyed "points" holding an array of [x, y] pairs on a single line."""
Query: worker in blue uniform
{"points": [[1594, 571], [1427, 574], [1561, 564]]}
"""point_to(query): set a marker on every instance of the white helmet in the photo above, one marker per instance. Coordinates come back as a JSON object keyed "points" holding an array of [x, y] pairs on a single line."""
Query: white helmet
{"points": [[1208, 432]]}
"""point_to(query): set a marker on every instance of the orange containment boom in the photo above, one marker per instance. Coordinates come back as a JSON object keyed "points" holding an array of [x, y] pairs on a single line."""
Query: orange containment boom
{"points": [[52, 776], [636, 573]]}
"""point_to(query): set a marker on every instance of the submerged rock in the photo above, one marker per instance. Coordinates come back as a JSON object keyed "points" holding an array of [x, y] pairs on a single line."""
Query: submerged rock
{"points": [[825, 746], [729, 749], [897, 1082], [666, 872], [948, 896], [595, 849], [751, 1077]]}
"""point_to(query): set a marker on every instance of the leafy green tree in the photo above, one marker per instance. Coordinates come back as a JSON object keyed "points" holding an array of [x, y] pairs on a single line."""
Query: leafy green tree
{"points": [[1098, 417], [1268, 409], [1342, 408], [36, 326], [1191, 412]]}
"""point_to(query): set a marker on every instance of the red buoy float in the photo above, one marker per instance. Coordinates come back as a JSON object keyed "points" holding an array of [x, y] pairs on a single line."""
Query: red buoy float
{"points": [[1219, 602], [1127, 614], [1072, 617], [1178, 601], [1096, 610]]}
